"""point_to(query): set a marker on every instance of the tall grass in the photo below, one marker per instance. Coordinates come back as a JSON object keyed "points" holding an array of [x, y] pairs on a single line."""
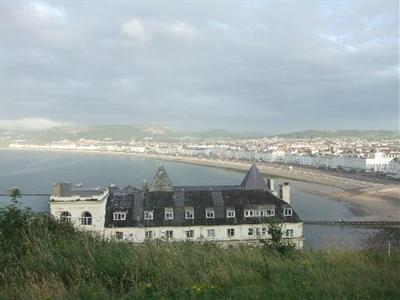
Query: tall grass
{"points": [[43, 259]]}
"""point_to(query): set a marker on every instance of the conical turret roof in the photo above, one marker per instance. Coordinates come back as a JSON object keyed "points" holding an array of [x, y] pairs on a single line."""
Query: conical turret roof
{"points": [[161, 182], [253, 180]]}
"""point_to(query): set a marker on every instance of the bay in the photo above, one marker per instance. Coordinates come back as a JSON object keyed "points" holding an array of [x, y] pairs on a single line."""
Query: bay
{"points": [[36, 171]]}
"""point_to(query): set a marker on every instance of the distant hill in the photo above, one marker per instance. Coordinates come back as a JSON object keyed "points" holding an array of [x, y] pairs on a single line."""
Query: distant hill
{"points": [[223, 133], [129, 132], [98, 132], [368, 134]]}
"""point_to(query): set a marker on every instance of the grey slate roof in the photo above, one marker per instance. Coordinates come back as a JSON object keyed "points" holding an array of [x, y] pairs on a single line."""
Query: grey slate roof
{"points": [[254, 180], [161, 181], [136, 203], [251, 194]]}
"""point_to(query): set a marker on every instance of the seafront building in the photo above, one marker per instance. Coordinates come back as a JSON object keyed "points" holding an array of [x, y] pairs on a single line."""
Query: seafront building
{"points": [[347, 157], [233, 214]]}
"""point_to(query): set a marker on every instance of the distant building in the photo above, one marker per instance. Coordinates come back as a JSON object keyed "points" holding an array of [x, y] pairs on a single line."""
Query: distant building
{"points": [[393, 169], [232, 214]]}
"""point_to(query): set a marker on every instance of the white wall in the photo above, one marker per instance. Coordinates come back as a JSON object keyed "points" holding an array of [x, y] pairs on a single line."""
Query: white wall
{"points": [[137, 234], [77, 208]]}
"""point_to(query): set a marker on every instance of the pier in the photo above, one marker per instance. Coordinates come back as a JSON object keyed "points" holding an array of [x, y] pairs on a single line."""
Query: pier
{"points": [[356, 223]]}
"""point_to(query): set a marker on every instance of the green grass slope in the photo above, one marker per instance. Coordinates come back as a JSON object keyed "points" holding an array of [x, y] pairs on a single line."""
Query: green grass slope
{"points": [[43, 259]]}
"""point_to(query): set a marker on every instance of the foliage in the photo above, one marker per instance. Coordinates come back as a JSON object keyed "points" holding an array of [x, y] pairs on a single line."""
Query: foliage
{"points": [[275, 242], [60, 262]]}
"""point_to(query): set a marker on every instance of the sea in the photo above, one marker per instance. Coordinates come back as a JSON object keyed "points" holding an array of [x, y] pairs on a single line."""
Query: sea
{"points": [[35, 172]]}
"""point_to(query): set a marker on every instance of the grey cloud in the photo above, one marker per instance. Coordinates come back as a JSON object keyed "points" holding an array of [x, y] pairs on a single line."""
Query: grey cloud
{"points": [[242, 66]]}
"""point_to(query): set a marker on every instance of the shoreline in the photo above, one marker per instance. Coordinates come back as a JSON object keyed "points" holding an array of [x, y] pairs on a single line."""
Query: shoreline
{"points": [[368, 200]]}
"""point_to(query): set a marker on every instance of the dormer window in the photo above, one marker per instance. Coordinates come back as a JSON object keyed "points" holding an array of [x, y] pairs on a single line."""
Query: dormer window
{"points": [[230, 213], [270, 212], [189, 213], [119, 216], [148, 214], [287, 212], [169, 213], [210, 213], [249, 213]]}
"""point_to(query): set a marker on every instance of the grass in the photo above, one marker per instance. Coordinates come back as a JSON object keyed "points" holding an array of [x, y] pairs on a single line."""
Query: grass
{"points": [[43, 259]]}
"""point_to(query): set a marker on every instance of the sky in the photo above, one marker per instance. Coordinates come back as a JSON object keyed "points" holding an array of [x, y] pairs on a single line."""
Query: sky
{"points": [[267, 66]]}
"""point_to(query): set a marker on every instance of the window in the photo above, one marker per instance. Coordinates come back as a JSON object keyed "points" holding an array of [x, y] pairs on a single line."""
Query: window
{"points": [[256, 213], [251, 231], [264, 231], [189, 214], [169, 234], [287, 212], [210, 213], [289, 232], [149, 234], [258, 233], [65, 216], [169, 213], [148, 214], [119, 235], [211, 233], [230, 213], [249, 213], [189, 234], [262, 213], [270, 212], [231, 232], [119, 216], [86, 218]]}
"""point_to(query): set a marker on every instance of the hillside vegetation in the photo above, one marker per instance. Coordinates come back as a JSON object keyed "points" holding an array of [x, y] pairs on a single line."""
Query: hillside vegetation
{"points": [[128, 132], [43, 259]]}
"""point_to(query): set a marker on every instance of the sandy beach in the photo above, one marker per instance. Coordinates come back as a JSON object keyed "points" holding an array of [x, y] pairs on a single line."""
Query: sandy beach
{"points": [[368, 200]]}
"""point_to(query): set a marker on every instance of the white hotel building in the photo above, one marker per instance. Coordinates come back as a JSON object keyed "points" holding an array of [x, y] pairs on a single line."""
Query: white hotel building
{"points": [[229, 215]]}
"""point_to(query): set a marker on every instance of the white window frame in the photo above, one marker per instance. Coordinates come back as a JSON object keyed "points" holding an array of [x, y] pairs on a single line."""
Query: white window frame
{"points": [[189, 214], [190, 234], [86, 221], [230, 213], [249, 213], [169, 234], [287, 212], [149, 234], [210, 213], [270, 212], [148, 214], [65, 216], [169, 214], [250, 231], [213, 233], [289, 233], [119, 215], [230, 232]]}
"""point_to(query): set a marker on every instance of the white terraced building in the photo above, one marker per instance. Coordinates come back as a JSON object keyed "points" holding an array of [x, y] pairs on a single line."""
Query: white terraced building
{"points": [[229, 215]]}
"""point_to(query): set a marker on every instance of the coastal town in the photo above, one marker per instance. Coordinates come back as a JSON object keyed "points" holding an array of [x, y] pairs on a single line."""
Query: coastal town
{"points": [[376, 158]]}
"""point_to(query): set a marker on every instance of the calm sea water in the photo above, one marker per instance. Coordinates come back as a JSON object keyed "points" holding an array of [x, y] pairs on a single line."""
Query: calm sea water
{"points": [[35, 172]]}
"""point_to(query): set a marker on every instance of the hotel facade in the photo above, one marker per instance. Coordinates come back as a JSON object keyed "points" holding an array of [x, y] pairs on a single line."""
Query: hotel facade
{"points": [[230, 215]]}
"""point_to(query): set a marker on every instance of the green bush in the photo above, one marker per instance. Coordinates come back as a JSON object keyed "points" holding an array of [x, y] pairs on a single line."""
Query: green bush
{"points": [[41, 258]]}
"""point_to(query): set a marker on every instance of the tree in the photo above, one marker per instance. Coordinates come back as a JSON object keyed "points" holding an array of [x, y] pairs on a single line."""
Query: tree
{"points": [[276, 243], [15, 194]]}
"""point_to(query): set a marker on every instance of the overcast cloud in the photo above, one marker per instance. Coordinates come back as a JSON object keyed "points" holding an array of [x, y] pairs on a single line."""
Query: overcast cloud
{"points": [[236, 65]]}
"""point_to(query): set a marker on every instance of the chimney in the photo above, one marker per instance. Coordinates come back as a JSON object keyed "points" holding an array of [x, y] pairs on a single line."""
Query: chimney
{"points": [[270, 184], [284, 192], [145, 186], [60, 189]]}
